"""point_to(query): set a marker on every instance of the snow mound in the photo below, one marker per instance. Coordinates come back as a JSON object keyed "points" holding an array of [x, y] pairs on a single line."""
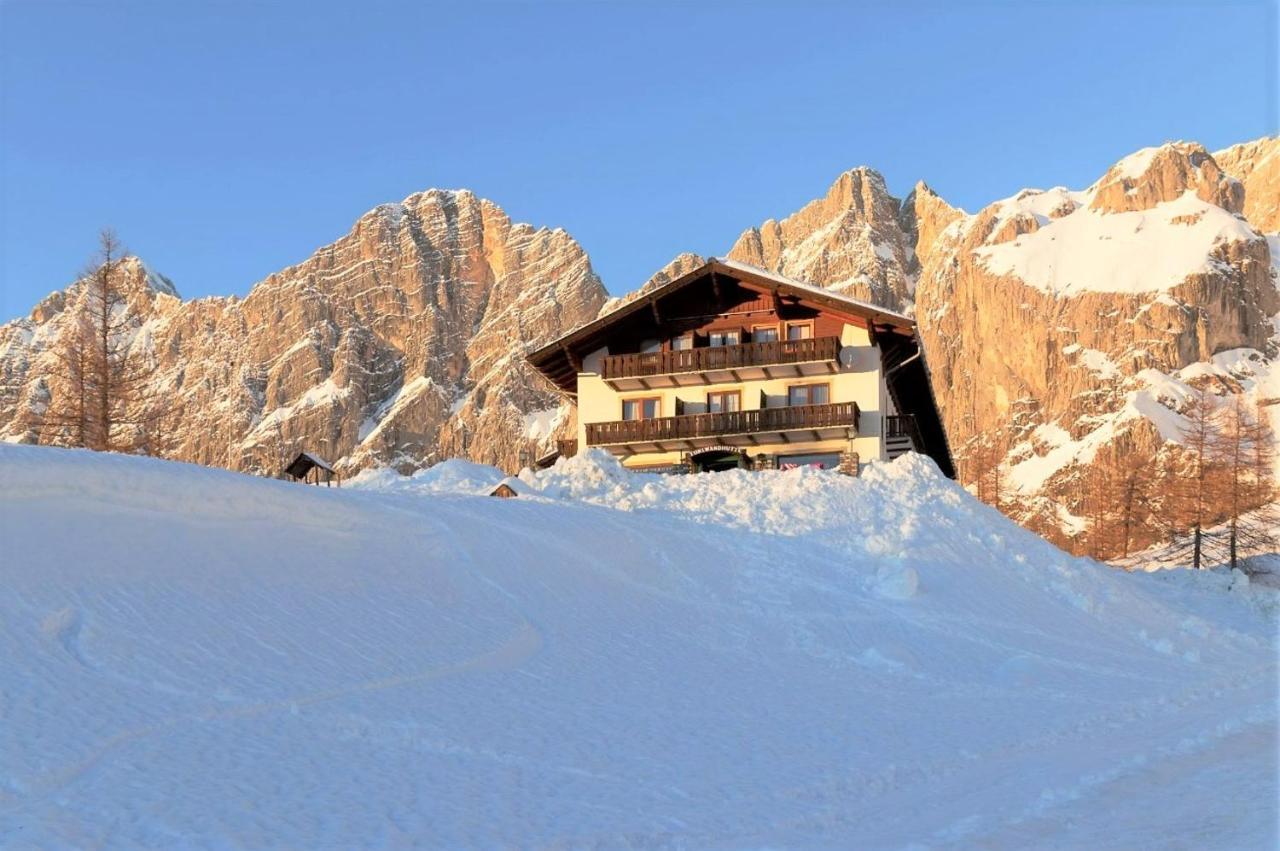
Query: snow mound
{"points": [[197, 658], [455, 475]]}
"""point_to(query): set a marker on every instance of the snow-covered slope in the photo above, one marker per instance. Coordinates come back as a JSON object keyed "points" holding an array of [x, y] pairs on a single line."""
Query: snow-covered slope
{"points": [[198, 658]]}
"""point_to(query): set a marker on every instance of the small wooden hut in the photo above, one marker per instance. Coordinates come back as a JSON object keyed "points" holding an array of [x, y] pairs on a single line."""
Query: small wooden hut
{"points": [[311, 469], [509, 487]]}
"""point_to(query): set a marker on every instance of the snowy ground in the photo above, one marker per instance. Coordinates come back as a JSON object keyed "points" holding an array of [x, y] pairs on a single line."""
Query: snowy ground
{"points": [[197, 658]]}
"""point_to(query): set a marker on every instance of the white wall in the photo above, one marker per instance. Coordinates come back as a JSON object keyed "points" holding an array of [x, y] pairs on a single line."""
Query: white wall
{"points": [[859, 380]]}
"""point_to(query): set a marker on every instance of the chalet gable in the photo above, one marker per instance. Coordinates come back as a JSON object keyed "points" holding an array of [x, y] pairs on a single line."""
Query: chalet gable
{"points": [[719, 295]]}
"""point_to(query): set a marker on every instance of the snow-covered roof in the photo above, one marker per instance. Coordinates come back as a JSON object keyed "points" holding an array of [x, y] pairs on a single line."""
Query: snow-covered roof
{"points": [[305, 461], [518, 486]]}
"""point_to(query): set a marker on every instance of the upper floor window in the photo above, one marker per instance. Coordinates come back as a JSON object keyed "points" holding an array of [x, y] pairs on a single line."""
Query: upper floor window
{"points": [[725, 338], [727, 400], [650, 346], [681, 343], [764, 333], [808, 394], [799, 330], [641, 409]]}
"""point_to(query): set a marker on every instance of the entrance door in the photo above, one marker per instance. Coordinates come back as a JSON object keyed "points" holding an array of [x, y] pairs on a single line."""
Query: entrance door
{"points": [[717, 460]]}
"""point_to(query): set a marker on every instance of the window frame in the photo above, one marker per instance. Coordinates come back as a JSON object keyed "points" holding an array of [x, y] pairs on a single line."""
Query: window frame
{"points": [[657, 407], [686, 337], [772, 326], [736, 332], [809, 385], [799, 323], [723, 393]]}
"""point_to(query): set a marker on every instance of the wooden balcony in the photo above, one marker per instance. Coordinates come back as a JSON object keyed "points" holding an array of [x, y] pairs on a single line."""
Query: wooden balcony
{"points": [[729, 428], [718, 364]]}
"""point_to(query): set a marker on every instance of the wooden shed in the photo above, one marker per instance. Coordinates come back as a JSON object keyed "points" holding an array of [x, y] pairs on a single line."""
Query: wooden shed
{"points": [[311, 469], [510, 487]]}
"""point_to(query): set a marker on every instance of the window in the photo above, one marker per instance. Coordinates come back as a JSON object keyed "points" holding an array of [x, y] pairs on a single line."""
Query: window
{"points": [[641, 409], [808, 394], [821, 460], [724, 401], [764, 333], [651, 346], [799, 330], [725, 338], [682, 343]]}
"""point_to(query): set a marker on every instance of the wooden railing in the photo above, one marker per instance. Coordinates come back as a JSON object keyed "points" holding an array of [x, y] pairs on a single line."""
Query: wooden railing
{"points": [[726, 422], [720, 357], [900, 426], [567, 448]]}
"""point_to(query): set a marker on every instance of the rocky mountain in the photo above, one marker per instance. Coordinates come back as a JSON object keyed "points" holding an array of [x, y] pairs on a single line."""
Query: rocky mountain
{"points": [[851, 240], [1257, 166], [858, 239], [400, 343], [1060, 325]]}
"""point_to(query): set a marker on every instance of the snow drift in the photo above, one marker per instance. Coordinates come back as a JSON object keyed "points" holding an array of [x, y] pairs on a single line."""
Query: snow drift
{"points": [[194, 657]]}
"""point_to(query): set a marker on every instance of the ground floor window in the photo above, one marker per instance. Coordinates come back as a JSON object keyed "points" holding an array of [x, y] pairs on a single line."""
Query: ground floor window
{"points": [[821, 460]]}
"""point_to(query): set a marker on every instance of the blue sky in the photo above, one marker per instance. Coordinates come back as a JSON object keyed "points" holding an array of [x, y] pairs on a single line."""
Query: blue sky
{"points": [[227, 140]]}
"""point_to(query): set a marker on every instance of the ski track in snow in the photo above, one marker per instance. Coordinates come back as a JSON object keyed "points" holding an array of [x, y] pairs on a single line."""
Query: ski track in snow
{"points": [[200, 658]]}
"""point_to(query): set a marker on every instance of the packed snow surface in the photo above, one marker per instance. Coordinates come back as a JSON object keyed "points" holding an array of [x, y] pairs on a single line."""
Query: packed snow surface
{"points": [[194, 658]]}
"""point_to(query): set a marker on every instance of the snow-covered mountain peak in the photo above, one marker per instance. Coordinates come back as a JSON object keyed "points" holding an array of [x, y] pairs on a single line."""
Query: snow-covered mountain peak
{"points": [[1160, 175]]}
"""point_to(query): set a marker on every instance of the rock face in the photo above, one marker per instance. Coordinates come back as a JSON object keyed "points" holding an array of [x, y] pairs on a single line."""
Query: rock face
{"points": [[1257, 166], [682, 264], [851, 240], [1059, 324], [400, 343]]}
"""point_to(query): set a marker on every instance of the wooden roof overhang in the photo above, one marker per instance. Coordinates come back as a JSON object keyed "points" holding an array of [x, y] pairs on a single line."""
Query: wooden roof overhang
{"points": [[561, 360]]}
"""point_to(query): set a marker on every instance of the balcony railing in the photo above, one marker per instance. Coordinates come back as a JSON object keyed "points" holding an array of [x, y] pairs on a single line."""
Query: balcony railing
{"points": [[720, 357], [901, 435], [900, 426], [693, 426]]}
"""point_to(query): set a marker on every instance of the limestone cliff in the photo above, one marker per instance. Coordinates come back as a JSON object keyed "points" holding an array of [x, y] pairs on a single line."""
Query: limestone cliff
{"points": [[1257, 166], [400, 343], [850, 240], [1060, 324]]}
